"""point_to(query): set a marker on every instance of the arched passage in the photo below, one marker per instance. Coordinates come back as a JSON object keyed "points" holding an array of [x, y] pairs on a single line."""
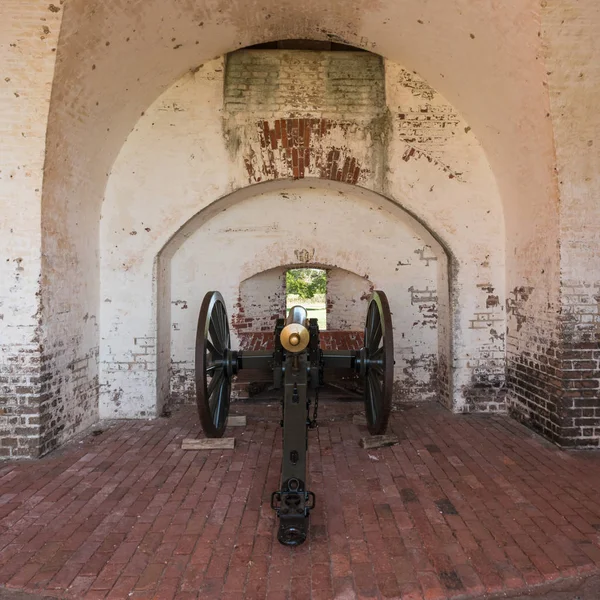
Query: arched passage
{"points": [[178, 161], [248, 232], [271, 227], [495, 64], [421, 179]]}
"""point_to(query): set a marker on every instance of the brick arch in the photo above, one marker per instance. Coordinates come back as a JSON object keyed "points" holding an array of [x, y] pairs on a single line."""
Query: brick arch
{"points": [[187, 154], [121, 69], [262, 300], [254, 328], [386, 161], [270, 259]]}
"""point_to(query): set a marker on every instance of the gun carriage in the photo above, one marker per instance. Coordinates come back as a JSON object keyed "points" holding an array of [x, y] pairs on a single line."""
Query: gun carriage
{"points": [[299, 367]]}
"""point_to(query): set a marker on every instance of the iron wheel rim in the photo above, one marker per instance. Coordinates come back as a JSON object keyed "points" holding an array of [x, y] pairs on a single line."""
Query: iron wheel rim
{"points": [[213, 378], [379, 359]]}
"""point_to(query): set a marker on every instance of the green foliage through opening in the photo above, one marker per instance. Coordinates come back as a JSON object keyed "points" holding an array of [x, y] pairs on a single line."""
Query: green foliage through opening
{"points": [[306, 283]]}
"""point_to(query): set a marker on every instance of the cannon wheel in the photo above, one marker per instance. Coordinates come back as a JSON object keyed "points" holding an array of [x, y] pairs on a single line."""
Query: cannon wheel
{"points": [[214, 365], [379, 363]]}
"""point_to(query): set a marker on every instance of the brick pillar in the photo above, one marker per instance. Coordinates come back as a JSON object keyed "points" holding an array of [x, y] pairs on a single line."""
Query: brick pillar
{"points": [[578, 365], [30, 32], [570, 29]]}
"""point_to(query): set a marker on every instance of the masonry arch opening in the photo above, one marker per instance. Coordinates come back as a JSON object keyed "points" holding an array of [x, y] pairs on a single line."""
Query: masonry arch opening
{"points": [[308, 287], [346, 153], [176, 141], [376, 245]]}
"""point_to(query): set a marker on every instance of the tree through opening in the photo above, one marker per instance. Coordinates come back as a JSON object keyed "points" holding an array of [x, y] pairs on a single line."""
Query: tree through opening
{"points": [[308, 287]]}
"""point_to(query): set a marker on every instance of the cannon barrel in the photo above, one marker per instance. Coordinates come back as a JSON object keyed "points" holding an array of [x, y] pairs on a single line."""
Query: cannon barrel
{"points": [[295, 335]]}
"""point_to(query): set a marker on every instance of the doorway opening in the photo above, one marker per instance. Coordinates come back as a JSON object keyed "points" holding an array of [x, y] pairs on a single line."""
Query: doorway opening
{"points": [[308, 287]]}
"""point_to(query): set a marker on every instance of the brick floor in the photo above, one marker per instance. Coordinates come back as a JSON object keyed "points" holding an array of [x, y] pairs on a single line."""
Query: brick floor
{"points": [[464, 505]]}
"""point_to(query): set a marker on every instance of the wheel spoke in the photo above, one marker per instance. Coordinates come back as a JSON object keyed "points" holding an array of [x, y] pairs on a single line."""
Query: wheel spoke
{"points": [[210, 370], [217, 316], [376, 337], [371, 315], [213, 351], [378, 385], [377, 393], [377, 368], [373, 403], [219, 403], [224, 326], [214, 382], [378, 354], [214, 334], [368, 326], [225, 402]]}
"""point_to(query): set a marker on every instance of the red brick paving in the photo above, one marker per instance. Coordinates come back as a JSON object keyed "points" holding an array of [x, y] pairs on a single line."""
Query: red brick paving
{"points": [[462, 506]]}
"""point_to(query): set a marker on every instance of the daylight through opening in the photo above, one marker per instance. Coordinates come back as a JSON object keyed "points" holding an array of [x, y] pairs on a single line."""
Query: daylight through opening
{"points": [[308, 287]]}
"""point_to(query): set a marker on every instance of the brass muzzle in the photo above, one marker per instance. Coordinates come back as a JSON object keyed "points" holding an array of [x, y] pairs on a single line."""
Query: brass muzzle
{"points": [[295, 336]]}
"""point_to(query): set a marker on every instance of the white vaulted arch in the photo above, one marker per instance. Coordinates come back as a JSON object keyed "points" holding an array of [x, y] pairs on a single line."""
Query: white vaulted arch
{"points": [[128, 54]]}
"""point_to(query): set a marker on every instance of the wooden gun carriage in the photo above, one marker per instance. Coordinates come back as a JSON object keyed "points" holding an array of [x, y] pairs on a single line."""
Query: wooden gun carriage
{"points": [[299, 366]]}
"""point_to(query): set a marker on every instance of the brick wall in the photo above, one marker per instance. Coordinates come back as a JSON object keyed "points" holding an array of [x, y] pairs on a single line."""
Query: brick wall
{"points": [[578, 367], [331, 84], [347, 295], [329, 340], [260, 235], [556, 384], [20, 382], [532, 342], [261, 302], [447, 182], [574, 86], [29, 34], [312, 154], [554, 347], [426, 130], [304, 105]]}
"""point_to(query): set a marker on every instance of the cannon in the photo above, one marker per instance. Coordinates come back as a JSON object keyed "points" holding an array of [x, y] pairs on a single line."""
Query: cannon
{"points": [[299, 366]]}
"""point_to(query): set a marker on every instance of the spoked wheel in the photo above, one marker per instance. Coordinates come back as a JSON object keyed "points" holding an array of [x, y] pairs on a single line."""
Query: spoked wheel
{"points": [[377, 368], [215, 365]]}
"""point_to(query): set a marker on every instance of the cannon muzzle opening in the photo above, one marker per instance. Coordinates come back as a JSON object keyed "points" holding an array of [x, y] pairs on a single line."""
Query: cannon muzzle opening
{"points": [[295, 335]]}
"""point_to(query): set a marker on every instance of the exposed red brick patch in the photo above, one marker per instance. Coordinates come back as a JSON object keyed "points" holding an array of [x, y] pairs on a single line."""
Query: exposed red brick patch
{"points": [[300, 146]]}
